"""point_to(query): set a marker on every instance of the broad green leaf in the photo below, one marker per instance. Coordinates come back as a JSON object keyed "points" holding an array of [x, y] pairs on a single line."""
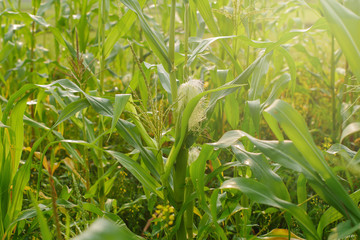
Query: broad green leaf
{"points": [[253, 111], [70, 110], [127, 130], [350, 129], [353, 5], [67, 146], [120, 29], [13, 98], [345, 25], [260, 193], [137, 170], [291, 64], [202, 47], [6, 51], [338, 148], [232, 110], [241, 79], [214, 213], [295, 128], [331, 215], [120, 102], [301, 191], [257, 81], [21, 179], [92, 208], [344, 230], [17, 126], [262, 171], [197, 169], [61, 40], [44, 228], [105, 229], [25, 17], [277, 88], [164, 79], [155, 42], [285, 153]]}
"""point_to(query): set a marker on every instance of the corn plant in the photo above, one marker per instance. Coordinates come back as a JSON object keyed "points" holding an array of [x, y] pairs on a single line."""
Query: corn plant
{"points": [[13, 174], [146, 88]]}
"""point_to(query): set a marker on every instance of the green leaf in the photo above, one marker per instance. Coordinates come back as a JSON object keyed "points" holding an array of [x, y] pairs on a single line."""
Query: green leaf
{"points": [[262, 171], [277, 88], [70, 110], [241, 79], [292, 67], [25, 17], [345, 25], [353, 5], [179, 139], [295, 128], [350, 129], [260, 193], [205, 10], [344, 230], [61, 40], [6, 51], [202, 47], [120, 29], [17, 126], [331, 215], [105, 229], [197, 169], [120, 102], [138, 171], [153, 39], [13, 98], [257, 81], [44, 228], [301, 191]]}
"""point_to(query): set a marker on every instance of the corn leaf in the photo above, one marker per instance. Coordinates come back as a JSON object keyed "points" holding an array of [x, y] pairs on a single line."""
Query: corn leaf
{"points": [[345, 25], [105, 229], [262, 194]]}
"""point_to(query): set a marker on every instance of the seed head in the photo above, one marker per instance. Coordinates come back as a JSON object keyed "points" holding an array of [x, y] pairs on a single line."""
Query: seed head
{"points": [[186, 92]]}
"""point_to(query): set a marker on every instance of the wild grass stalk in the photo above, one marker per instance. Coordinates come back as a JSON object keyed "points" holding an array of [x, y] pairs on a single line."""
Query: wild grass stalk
{"points": [[186, 40], [102, 17], [332, 89], [172, 69]]}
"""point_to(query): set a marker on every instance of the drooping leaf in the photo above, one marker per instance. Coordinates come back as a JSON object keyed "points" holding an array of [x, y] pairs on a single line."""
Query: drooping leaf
{"points": [[350, 129], [153, 39], [260, 193], [120, 102], [295, 128]]}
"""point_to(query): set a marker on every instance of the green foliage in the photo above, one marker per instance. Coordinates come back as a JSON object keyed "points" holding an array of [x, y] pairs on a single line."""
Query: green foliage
{"points": [[115, 110]]}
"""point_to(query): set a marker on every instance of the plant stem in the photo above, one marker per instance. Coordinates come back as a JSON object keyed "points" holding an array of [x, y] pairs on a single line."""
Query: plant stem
{"points": [[179, 187], [54, 205], [101, 41], [189, 213], [172, 71], [186, 40], [332, 85]]}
